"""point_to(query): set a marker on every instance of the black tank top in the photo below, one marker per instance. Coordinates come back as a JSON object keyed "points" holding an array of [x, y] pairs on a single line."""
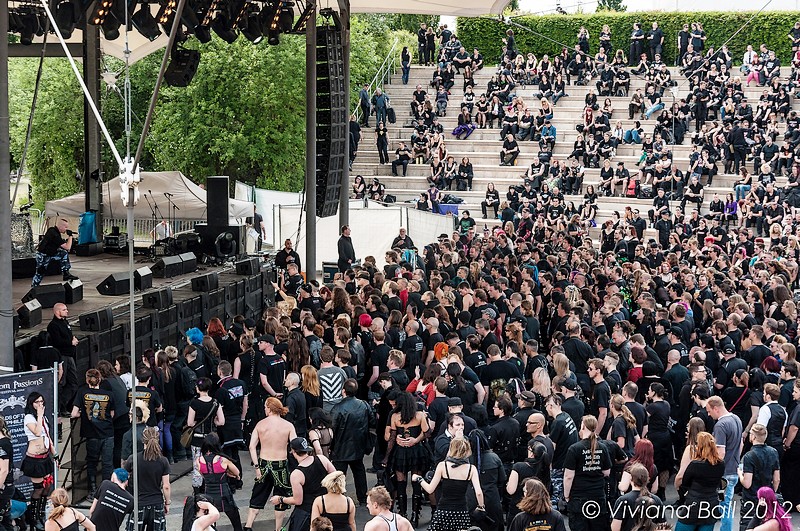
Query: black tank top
{"points": [[454, 491], [314, 474], [340, 521], [71, 527]]}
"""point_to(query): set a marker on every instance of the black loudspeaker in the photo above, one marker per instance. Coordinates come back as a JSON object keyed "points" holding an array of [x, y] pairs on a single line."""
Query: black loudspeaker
{"points": [[217, 193], [168, 267], [182, 67], [158, 299], [115, 284], [23, 267], [98, 321], [188, 262], [142, 279], [30, 314], [332, 120], [248, 267], [208, 239], [48, 295], [206, 282], [73, 291]]}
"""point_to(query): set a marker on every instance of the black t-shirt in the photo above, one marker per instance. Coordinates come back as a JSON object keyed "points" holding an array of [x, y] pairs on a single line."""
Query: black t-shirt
{"points": [[552, 521], [601, 396], [97, 410], [51, 241], [619, 428], [7, 453], [201, 411], [495, 377], [412, 348], [151, 400], [113, 503], [627, 506], [589, 481], [564, 434], [150, 474], [45, 357], [274, 368]]}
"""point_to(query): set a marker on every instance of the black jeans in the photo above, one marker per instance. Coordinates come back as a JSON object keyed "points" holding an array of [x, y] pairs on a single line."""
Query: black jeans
{"points": [[359, 476], [99, 451], [68, 384]]}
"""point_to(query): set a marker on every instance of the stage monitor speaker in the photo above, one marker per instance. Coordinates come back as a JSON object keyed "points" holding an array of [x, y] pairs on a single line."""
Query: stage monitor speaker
{"points": [[30, 314], [48, 295], [208, 239], [158, 299], [115, 284], [167, 267], [217, 193], [188, 262], [73, 291], [182, 67], [248, 267], [98, 321], [332, 120], [142, 279], [206, 282]]}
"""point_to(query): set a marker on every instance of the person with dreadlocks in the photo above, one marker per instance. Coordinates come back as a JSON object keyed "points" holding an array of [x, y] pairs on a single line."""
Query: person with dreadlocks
{"points": [[199, 514], [155, 493], [6, 476]]}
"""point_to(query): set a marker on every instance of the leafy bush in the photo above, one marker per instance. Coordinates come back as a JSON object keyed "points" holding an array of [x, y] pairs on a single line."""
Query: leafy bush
{"points": [[550, 32]]}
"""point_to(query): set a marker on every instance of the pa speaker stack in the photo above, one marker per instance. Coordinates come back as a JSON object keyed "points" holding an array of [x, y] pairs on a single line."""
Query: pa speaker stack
{"points": [[30, 314], [115, 284], [48, 295], [332, 120]]}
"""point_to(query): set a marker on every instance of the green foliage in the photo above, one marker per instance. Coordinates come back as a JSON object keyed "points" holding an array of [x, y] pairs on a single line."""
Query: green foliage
{"points": [[56, 147], [396, 21], [611, 5], [243, 115], [770, 28]]}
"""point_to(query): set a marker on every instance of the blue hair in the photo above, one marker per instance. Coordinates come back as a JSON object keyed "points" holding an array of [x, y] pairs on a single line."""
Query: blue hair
{"points": [[195, 335]]}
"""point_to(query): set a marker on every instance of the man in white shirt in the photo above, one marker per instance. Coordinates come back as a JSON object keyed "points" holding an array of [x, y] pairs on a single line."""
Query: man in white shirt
{"points": [[747, 59]]}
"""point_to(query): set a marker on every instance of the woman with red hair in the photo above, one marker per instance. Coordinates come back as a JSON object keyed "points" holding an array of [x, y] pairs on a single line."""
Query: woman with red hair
{"points": [[642, 454]]}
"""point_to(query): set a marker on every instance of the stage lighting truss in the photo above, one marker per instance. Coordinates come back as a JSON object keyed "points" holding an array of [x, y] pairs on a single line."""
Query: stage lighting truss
{"points": [[100, 12], [166, 12], [28, 20], [305, 15]]}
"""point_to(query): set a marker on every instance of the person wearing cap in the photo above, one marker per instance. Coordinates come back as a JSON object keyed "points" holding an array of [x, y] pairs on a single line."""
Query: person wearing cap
{"points": [[272, 435], [571, 404], [306, 484], [271, 368], [112, 501]]}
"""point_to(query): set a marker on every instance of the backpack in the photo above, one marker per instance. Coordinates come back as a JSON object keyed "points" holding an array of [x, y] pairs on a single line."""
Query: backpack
{"points": [[210, 361], [188, 382]]}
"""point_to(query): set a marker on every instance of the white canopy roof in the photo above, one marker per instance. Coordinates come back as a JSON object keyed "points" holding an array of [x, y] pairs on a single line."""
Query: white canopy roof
{"points": [[190, 199]]}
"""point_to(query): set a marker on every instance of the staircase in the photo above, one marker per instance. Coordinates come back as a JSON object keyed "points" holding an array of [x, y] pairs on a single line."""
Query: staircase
{"points": [[483, 146]]}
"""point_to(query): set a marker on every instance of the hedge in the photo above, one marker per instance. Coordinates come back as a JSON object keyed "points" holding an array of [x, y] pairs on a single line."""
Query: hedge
{"points": [[770, 28]]}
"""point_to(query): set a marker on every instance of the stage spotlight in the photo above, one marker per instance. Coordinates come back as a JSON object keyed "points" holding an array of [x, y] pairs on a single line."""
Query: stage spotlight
{"points": [[203, 34], [222, 27], [100, 12], [67, 15], [300, 26], [145, 22], [110, 28], [250, 26], [29, 23]]}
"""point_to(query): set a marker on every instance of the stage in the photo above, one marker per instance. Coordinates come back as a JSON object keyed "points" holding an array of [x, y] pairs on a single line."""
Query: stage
{"points": [[246, 294]]}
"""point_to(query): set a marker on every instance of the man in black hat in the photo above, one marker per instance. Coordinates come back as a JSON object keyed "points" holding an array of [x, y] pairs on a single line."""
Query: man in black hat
{"points": [[272, 367], [728, 367], [676, 340], [664, 227]]}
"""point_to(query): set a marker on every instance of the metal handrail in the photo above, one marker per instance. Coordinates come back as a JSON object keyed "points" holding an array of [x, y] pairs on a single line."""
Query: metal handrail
{"points": [[382, 76]]}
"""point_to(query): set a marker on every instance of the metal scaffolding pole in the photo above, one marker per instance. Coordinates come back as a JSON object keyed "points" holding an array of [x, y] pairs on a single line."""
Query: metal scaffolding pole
{"points": [[6, 307], [311, 145]]}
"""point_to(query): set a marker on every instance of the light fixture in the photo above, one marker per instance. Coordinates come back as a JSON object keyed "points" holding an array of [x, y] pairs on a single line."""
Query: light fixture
{"points": [[67, 15], [110, 28], [250, 25], [300, 26], [100, 12], [223, 28], [165, 13], [145, 22]]}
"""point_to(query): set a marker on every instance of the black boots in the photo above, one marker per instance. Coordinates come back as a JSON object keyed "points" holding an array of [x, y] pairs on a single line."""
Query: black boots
{"points": [[416, 503], [34, 515], [92, 488], [401, 501]]}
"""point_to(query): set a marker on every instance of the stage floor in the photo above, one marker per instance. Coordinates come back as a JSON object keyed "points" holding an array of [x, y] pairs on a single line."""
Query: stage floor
{"points": [[92, 271]]}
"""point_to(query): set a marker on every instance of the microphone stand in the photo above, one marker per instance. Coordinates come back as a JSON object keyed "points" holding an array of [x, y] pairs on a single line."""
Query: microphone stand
{"points": [[153, 213], [169, 203], [158, 212]]}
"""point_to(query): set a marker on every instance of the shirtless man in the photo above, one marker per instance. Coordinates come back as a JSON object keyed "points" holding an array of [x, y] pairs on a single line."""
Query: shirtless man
{"points": [[379, 504], [272, 471]]}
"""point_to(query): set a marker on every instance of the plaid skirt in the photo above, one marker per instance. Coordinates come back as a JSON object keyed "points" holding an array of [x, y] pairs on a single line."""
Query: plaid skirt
{"points": [[151, 518]]}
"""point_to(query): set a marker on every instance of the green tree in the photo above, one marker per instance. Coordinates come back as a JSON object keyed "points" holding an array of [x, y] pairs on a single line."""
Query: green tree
{"points": [[611, 5]]}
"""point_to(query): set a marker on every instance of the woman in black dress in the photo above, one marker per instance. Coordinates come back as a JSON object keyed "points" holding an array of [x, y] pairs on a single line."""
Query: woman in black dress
{"points": [[407, 451], [492, 477], [216, 469], [455, 474], [658, 421]]}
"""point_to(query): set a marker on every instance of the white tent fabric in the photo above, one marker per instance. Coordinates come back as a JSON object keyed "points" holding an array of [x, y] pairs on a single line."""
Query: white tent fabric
{"points": [[189, 197], [266, 201], [373, 229]]}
